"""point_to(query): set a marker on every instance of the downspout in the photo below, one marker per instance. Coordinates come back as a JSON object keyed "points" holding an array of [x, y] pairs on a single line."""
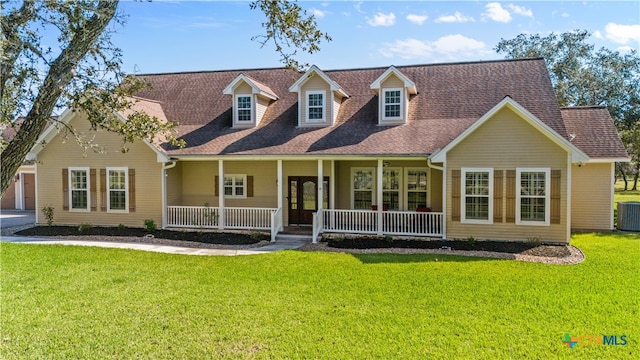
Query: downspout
{"points": [[163, 177]]}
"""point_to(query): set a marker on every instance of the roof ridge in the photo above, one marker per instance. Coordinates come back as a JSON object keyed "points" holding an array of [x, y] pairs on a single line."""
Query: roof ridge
{"points": [[582, 107], [345, 69]]}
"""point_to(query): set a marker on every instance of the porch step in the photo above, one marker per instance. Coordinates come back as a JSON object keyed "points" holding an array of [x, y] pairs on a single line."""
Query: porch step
{"points": [[293, 238]]}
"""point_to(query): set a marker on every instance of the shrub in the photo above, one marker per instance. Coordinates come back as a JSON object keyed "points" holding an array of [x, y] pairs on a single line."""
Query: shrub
{"points": [[120, 227], [257, 235], [150, 225], [47, 211], [388, 238], [471, 240], [84, 227]]}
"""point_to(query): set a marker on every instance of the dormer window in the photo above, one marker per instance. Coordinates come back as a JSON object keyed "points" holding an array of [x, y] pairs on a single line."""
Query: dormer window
{"points": [[250, 99], [393, 89], [319, 98], [243, 108], [315, 106], [392, 104]]}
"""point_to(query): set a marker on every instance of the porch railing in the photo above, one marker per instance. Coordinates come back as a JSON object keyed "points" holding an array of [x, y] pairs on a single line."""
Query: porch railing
{"points": [[276, 223], [407, 223], [234, 217]]}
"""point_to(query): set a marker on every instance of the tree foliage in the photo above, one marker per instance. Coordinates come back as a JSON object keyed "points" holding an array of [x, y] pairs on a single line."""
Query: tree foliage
{"points": [[582, 76], [59, 54]]}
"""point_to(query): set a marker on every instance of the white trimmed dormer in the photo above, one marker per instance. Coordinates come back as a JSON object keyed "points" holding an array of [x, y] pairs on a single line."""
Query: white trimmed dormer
{"points": [[250, 100], [319, 98], [393, 89]]}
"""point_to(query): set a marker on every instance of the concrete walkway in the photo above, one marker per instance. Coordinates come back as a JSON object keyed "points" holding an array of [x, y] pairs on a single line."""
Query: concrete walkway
{"points": [[279, 245]]}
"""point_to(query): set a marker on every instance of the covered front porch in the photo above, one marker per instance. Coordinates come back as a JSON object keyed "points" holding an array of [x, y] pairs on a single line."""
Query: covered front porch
{"points": [[321, 195]]}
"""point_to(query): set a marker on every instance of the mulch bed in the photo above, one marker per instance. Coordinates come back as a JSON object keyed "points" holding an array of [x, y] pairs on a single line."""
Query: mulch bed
{"points": [[494, 246], [207, 237]]}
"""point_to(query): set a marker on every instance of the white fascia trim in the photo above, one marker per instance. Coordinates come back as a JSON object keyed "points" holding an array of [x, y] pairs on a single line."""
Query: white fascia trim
{"points": [[294, 157], [577, 155], [255, 89], [607, 160], [333, 86], [408, 84]]}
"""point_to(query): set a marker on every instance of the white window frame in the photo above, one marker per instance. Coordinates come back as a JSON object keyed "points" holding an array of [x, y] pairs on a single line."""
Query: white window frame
{"points": [[547, 196], [235, 177], [463, 196], [126, 190], [406, 186], [384, 104], [237, 109], [87, 190], [373, 185], [400, 187], [324, 106]]}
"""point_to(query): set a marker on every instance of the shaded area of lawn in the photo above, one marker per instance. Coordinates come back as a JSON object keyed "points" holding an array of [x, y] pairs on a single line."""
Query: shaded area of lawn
{"points": [[93, 303]]}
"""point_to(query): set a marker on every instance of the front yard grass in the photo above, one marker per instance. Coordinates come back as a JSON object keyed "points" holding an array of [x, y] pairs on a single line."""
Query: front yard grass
{"points": [[95, 303]]}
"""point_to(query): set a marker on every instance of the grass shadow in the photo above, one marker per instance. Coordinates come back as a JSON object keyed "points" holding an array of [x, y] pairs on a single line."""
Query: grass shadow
{"points": [[420, 258]]}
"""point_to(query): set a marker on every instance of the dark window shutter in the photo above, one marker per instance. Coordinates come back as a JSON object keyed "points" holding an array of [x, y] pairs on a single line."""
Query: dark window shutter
{"points": [[455, 195], [556, 184], [497, 195], [217, 185], [103, 189], [93, 187], [132, 190], [249, 186], [511, 196], [65, 189]]}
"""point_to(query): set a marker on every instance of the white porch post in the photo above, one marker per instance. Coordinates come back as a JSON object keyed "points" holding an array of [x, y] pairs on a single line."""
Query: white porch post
{"points": [[332, 186], [379, 195], [320, 186], [163, 181], [220, 194], [280, 183]]}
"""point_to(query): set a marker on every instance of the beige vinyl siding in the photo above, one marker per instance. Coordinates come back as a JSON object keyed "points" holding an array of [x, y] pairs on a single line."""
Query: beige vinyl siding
{"points": [[261, 107], [434, 198], [337, 101], [173, 180], [507, 142], [591, 193], [198, 183], [61, 153], [315, 83], [392, 81]]}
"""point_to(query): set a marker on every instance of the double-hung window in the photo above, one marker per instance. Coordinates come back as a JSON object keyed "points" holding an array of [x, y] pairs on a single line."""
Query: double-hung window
{"points": [[235, 186], [477, 196], [391, 188], [315, 106], [532, 202], [118, 189], [416, 180], [392, 108], [79, 189], [243, 108], [362, 184]]}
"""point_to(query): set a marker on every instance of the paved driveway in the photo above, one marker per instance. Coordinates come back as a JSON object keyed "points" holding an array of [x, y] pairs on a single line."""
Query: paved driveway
{"points": [[11, 218]]}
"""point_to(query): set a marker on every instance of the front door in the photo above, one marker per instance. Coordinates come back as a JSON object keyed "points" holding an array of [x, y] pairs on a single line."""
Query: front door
{"points": [[29, 191], [303, 198]]}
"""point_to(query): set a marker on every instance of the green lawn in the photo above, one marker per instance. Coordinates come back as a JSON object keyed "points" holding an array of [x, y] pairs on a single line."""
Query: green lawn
{"points": [[79, 302]]}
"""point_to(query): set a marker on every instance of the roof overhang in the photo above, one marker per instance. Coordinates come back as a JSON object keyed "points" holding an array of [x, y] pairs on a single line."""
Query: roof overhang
{"points": [[392, 70], [314, 70], [256, 87], [577, 155]]}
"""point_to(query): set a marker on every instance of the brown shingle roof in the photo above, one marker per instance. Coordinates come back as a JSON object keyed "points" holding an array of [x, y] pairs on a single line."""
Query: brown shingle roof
{"points": [[591, 129], [450, 98]]}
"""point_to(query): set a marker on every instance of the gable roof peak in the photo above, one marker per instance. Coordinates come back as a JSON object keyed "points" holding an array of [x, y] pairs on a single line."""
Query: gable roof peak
{"points": [[256, 86], [334, 86], [408, 83]]}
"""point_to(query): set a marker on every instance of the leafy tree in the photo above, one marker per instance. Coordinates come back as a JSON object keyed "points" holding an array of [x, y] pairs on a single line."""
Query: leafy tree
{"points": [[82, 71], [582, 75]]}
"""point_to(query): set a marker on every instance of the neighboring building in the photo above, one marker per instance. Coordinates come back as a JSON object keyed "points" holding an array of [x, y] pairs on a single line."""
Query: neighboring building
{"points": [[21, 193], [460, 150]]}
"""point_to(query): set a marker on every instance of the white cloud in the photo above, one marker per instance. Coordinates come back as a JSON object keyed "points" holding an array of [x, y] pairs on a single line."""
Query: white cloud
{"points": [[622, 34], [455, 18], [494, 11], [417, 19], [382, 20], [520, 10], [598, 35], [450, 46], [317, 13]]}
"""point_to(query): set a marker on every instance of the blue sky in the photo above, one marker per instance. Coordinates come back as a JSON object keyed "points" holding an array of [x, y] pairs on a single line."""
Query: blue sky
{"points": [[173, 36]]}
